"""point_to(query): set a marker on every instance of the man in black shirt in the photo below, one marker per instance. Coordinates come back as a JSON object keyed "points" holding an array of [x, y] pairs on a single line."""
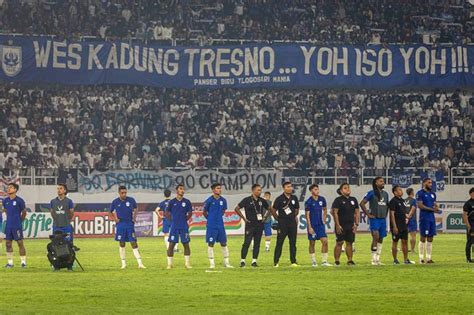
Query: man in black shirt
{"points": [[398, 225], [345, 210], [285, 209], [468, 216], [256, 212]]}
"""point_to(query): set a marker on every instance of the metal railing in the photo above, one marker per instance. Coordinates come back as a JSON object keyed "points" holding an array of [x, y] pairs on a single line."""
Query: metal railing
{"points": [[330, 176], [209, 41]]}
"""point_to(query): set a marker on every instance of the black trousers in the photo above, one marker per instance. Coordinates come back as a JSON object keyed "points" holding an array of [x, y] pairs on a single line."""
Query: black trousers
{"points": [[286, 227], [252, 231], [469, 243]]}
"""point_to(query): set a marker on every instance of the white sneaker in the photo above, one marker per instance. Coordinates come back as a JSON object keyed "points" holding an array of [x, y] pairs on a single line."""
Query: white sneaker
{"points": [[380, 263], [188, 266], [212, 266], [314, 264], [228, 266], [374, 263], [326, 264], [141, 266], [169, 267], [123, 266]]}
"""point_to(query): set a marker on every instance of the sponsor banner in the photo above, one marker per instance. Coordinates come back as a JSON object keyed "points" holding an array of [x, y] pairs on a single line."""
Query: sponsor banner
{"points": [[93, 224], [453, 221], [35, 225], [289, 65], [197, 181], [144, 224]]}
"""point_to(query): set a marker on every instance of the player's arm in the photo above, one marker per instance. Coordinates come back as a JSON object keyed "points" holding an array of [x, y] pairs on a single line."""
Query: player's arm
{"points": [[205, 210], [393, 221], [297, 209], [465, 217], [239, 213], [23, 213], [273, 211], [51, 210], [159, 212], [308, 221], [113, 214], [356, 219], [423, 207], [411, 213], [167, 211], [190, 212], [363, 206], [71, 210], [134, 214], [335, 212], [325, 215]]}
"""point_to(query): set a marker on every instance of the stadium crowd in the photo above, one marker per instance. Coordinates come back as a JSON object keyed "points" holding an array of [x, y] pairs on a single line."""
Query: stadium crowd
{"points": [[349, 21], [135, 127]]}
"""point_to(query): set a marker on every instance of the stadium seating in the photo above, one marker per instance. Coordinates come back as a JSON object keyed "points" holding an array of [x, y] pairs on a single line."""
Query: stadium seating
{"points": [[135, 127], [352, 21]]}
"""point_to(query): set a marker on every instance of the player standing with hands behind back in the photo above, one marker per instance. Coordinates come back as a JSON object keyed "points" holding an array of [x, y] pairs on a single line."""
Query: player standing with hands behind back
{"points": [[124, 210], [426, 201], [285, 209], [15, 209], [316, 215], [214, 209], [377, 199], [345, 210], [179, 211], [62, 211]]}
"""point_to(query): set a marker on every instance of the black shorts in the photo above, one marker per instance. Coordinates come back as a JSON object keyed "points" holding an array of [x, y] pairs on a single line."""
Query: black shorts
{"points": [[402, 235], [346, 235]]}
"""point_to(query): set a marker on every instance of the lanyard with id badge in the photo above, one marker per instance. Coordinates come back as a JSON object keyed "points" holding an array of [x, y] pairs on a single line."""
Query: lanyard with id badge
{"points": [[287, 209], [259, 211]]}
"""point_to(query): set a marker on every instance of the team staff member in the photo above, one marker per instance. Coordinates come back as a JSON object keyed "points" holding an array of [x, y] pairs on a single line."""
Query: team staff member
{"points": [[377, 199], [468, 216], [256, 211], [398, 224], [62, 211], [345, 210], [285, 209], [410, 204], [15, 208], [267, 225]]}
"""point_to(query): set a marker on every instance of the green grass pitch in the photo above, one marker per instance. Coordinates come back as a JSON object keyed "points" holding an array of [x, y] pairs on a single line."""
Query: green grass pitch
{"points": [[445, 287]]}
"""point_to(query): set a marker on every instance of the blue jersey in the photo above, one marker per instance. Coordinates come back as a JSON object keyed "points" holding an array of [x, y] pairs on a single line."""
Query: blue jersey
{"points": [[428, 199], [179, 210], [13, 208], [163, 205], [215, 210], [124, 209], [315, 208]]}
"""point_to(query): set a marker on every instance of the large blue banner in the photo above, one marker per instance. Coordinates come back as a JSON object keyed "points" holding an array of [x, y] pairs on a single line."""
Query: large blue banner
{"points": [[44, 60]]}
